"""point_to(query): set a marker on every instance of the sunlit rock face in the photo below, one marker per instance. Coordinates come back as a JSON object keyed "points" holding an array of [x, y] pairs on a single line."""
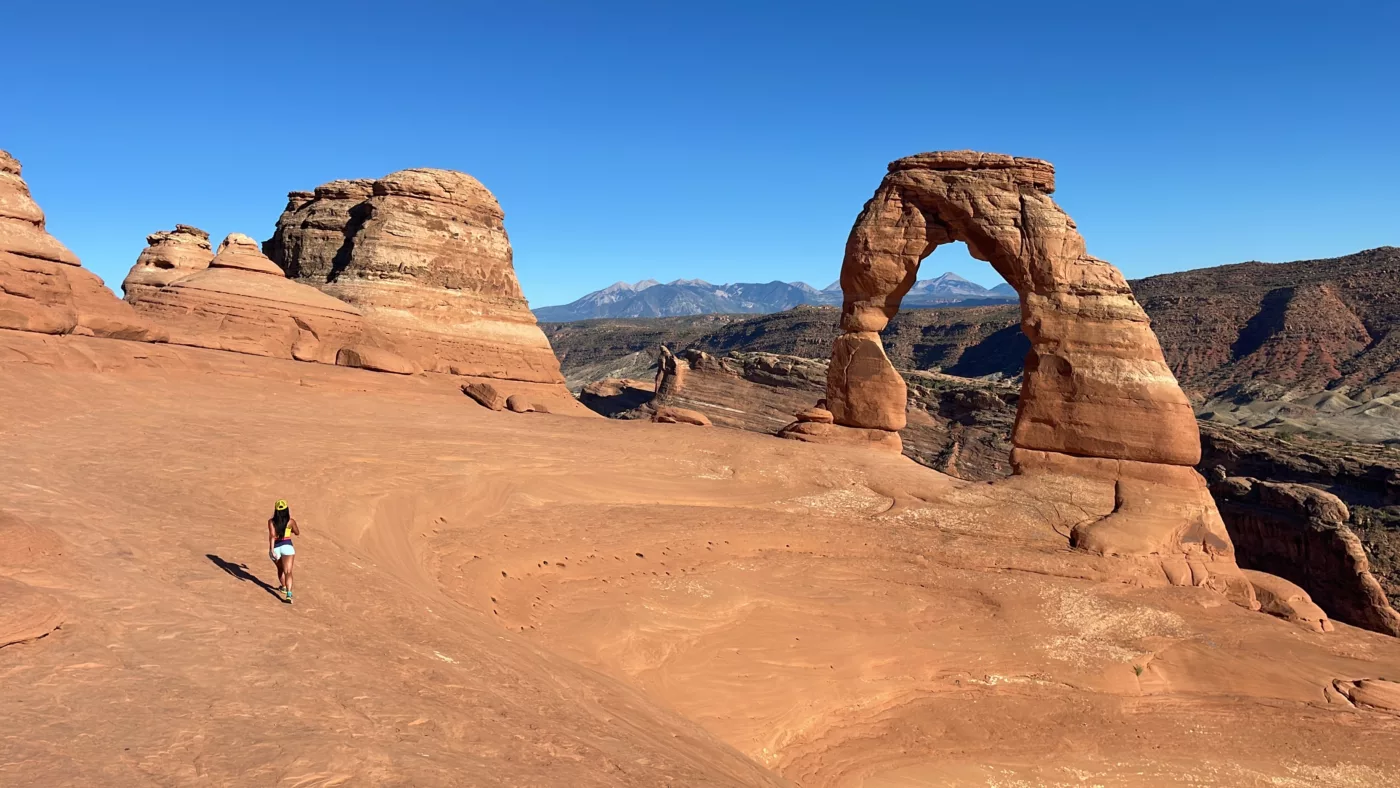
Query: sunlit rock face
{"points": [[1098, 400], [425, 255], [43, 286]]}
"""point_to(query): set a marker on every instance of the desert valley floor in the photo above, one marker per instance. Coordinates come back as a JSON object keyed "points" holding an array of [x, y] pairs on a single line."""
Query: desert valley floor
{"points": [[491, 598]]}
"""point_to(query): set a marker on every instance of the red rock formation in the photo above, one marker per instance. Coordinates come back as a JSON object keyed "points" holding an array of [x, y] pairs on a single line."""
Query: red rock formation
{"points": [[1279, 597], [424, 254], [168, 256], [1097, 399], [670, 415], [1300, 533], [486, 395], [315, 232], [243, 303], [43, 286]]}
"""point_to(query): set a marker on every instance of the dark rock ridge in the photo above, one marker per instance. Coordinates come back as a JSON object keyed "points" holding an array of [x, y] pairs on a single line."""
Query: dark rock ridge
{"points": [[1305, 325]]}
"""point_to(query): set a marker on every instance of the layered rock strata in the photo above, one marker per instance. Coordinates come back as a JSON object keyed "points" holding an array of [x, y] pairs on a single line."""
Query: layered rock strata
{"points": [[43, 286], [1300, 533], [1097, 399], [169, 255], [243, 303], [424, 255]]}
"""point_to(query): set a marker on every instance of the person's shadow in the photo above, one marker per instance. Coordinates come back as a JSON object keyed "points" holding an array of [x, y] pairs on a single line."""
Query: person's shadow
{"points": [[241, 572]]}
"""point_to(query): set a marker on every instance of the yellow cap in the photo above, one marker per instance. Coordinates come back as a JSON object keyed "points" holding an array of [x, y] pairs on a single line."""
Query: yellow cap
{"points": [[281, 505]]}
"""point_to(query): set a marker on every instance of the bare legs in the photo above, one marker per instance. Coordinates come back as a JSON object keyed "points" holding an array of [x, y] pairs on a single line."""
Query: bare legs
{"points": [[284, 573]]}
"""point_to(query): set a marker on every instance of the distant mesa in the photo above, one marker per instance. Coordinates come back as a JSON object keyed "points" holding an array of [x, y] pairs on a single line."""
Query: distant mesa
{"points": [[43, 286], [424, 255], [649, 298]]}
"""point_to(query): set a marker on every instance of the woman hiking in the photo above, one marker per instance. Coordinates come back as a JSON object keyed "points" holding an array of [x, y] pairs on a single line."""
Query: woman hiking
{"points": [[279, 545]]}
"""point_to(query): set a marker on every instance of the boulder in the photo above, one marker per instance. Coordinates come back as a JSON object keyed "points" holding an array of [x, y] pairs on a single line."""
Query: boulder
{"points": [[423, 253], [485, 395], [169, 255], [838, 435], [376, 359], [816, 416], [669, 415], [518, 404], [1278, 597], [43, 286], [243, 303]]}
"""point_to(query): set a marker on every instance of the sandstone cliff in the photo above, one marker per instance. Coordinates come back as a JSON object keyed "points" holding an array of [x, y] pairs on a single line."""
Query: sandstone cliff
{"points": [[424, 255], [43, 286], [1300, 533]]}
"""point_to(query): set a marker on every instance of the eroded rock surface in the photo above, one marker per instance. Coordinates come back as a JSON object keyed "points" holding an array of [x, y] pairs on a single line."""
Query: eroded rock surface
{"points": [[424, 254], [485, 395], [169, 255], [243, 303], [672, 415], [43, 286], [1279, 597], [1097, 399], [1301, 534]]}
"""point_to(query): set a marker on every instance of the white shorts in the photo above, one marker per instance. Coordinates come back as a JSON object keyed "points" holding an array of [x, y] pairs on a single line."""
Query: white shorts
{"points": [[278, 552]]}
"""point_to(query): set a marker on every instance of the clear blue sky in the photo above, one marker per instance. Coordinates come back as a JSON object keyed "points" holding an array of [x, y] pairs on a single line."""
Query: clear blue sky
{"points": [[726, 141]]}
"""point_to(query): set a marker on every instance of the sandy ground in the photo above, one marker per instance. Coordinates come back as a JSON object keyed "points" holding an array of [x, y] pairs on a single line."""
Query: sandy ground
{"points": [[536, 600]]}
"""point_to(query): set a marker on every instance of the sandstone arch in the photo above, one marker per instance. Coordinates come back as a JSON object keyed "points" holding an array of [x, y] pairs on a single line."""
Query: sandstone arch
{"points": [[1097, 399]]}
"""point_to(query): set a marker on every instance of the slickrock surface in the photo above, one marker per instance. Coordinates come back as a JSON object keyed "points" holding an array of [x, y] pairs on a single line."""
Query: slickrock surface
{"points": [[243, 303], [1097, 398], [43, 286], [492, 599], [169, 255], [424, 255]]}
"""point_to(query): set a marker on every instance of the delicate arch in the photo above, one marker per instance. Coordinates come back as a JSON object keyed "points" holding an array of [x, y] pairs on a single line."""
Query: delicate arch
{"points": [[1096, 383], [1097, 399]]}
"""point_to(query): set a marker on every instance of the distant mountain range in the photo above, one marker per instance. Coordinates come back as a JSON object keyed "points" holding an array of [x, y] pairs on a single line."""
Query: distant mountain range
{"points": [[650, 298]]}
